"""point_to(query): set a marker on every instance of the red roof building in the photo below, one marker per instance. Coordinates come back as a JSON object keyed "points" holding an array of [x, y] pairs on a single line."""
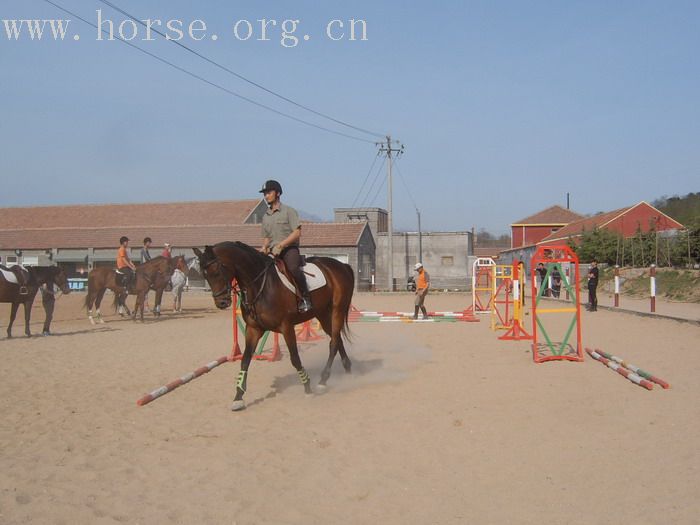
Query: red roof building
{"points": [[534, 228], [626, 221]]}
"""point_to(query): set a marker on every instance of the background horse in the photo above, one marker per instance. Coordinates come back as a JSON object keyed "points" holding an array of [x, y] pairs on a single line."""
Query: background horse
{"points": [[146, 278], [35, 277], [268, 305], [178, 282]]}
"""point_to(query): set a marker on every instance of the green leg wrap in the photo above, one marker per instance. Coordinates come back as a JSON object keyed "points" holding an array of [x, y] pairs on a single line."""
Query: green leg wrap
{"points": [[303, 376], [242, 380]]}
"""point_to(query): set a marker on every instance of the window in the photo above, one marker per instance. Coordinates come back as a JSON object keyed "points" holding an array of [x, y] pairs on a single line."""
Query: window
{"points": [[447, 260]]}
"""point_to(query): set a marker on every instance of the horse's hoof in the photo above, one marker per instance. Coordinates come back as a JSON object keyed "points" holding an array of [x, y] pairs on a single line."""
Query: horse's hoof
{"points": [[321, 388], [45, 334], [92, 321], [102, 321], [237, 405]]}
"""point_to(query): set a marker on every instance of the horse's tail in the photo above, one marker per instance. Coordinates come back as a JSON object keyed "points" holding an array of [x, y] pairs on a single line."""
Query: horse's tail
{"points": [[345, 331], [115, 301], [89, 294]]}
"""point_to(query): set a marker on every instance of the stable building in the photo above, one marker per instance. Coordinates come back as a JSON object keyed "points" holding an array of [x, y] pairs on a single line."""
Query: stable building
{"points": [[81, 237], [532, 229]]}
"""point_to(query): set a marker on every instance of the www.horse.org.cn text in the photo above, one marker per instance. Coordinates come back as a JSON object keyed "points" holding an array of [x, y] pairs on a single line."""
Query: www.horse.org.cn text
{"points": [[288, 32]]}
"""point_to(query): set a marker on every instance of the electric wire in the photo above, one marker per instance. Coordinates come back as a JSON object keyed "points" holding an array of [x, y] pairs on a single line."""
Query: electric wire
{"points": [[238, 75], [365, 181], [213, 84]]}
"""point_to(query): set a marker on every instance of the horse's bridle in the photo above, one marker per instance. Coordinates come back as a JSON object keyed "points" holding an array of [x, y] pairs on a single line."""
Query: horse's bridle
{"points": [[226, 291]]}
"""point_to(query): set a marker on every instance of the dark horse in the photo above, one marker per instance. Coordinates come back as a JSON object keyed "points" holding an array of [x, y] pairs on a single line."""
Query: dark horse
{"points": [[35, 277], [152, 275], [268, 305]]}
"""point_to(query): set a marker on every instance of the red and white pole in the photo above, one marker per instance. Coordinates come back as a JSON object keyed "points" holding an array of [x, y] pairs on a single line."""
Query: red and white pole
{"points": [[568, 281], [652, 284], [617, 286]]}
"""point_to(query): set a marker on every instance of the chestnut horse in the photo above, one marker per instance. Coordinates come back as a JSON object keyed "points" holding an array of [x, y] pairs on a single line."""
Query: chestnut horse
{"points": [[268, 305], [152, 275], [35, 277]]}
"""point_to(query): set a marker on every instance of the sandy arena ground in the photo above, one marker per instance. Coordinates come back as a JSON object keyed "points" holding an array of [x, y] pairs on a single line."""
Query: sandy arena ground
{"points": [[439, 424]]}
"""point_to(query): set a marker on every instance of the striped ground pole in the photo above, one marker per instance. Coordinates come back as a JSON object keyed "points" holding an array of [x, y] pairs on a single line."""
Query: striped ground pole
{"points": [[621, 370], [635, 369], [158, 392], [465, 316]]}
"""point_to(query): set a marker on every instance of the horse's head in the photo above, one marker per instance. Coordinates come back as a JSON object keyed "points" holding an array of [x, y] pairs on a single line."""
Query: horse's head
{"points": [[193, 264], [60, 279], [217, 275], [180, 263]]}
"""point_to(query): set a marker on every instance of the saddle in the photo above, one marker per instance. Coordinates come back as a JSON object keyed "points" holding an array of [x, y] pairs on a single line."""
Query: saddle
{"points": [[123, 279], [314, 276], [16, 275]]}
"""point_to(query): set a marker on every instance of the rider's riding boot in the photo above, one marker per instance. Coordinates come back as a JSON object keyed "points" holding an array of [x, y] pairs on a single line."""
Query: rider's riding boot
{"points": [[415, 314], [305, 304]]}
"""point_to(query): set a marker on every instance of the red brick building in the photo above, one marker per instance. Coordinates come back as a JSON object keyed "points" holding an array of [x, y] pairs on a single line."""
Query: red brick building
{"points": [[533, 229], [626, 221]]}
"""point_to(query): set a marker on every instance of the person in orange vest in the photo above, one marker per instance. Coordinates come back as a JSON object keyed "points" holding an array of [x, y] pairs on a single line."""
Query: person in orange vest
{"points": [[422, 287], [124, 264]]}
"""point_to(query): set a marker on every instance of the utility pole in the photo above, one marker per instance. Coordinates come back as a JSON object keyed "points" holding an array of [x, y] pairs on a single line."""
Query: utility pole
{"points": [[387, 148], [420, 239]]}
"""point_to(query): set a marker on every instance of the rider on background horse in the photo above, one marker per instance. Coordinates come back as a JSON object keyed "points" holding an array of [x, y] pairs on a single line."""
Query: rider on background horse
{"points": [[281, 234], [124, 264]]}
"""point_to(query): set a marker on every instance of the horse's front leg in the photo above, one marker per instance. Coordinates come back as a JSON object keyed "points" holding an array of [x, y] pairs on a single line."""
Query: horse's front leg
{"points": [[158, 300], [252, 336], [290, 337], [13, 315], [140, 298], [49, 303], [27, 317]]}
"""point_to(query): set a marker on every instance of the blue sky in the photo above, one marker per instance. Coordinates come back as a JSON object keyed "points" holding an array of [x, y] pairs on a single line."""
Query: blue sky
{"points": [[503, 108]]}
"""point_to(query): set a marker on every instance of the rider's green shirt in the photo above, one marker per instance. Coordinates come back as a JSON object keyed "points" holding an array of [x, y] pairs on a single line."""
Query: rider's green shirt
{"points": [[279, 224]]}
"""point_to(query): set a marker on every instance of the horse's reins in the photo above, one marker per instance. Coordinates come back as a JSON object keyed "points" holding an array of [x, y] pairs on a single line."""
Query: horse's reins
{"points": [[250, 306]]}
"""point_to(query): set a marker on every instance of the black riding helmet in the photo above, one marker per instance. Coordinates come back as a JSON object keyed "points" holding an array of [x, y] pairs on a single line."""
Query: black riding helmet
{"points": [[272, 185]]}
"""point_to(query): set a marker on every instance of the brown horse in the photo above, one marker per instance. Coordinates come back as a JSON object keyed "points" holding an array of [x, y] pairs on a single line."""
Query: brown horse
{"points": [[151, 275], [35, 277], [268, 305]]}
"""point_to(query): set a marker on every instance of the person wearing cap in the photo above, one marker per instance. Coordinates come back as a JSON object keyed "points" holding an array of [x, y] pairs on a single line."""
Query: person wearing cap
{"points": [[145, 254], [592, 287], [422, 287], [166, 250], [145, 257], [124, 264], [281, 230]]}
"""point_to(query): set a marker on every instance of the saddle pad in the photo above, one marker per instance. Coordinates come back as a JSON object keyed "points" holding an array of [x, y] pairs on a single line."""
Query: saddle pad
{"points": [[314, 278], [9, 276]]}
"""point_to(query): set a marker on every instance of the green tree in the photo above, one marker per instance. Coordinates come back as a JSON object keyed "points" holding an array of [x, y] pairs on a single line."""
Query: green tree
{"points": [[600, 244]]}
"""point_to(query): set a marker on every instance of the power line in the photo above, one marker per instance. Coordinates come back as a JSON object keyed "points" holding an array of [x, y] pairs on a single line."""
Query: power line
{"points": [[213, 84], [365, 181], [239, 76], [374, 181], [403, 181], [379, 190]]}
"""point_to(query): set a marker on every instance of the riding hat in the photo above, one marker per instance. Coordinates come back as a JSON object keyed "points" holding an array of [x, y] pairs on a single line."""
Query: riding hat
{"points": [[418, 266], [272, 185]]}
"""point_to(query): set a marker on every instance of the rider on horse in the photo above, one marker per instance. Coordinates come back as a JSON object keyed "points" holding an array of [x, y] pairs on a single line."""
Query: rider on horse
{"points": [[124, 264], [281, 233]]}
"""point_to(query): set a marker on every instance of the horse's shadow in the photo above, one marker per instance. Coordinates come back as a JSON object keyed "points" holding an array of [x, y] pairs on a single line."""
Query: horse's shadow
{"points": [[80, 332], [360, 368]]}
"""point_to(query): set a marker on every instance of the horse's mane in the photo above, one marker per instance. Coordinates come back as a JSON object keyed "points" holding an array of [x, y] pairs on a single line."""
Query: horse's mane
{"points": [[247, 249]]}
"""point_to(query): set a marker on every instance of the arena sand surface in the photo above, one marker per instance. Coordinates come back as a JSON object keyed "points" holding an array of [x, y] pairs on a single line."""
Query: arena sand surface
{"points": [[440, 423]]}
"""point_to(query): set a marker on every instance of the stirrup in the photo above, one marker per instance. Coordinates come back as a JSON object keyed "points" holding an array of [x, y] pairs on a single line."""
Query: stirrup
{"points": [[23, 290], [305, 305]]}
